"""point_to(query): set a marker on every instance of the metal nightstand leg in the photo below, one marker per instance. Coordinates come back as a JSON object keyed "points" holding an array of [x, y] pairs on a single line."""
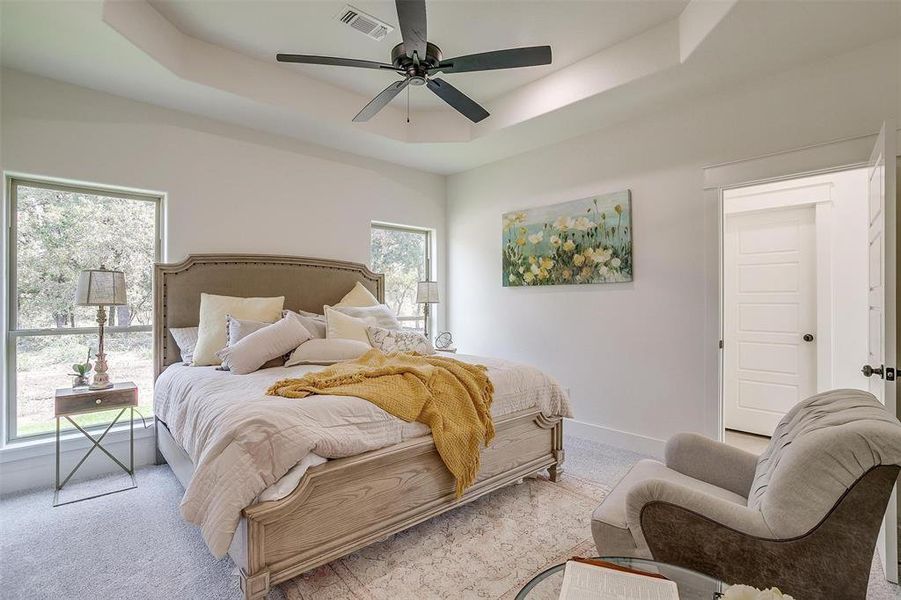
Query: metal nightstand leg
{"points": [[97, 444]]}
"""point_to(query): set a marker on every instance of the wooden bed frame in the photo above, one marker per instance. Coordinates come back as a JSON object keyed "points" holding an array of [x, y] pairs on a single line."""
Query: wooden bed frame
{"points": [[348, 503]]}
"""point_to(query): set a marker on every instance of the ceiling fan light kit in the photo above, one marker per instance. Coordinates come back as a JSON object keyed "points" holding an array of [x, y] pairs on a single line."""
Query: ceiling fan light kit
{"points": [[418, 61]]}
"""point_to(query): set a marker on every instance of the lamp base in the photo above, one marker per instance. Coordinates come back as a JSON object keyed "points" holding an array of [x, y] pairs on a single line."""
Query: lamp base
{"points": [[101, 377]]}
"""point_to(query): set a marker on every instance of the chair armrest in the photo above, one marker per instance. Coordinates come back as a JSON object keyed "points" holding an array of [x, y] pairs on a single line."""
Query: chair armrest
{"points": [[711, 461], [726, 513]]}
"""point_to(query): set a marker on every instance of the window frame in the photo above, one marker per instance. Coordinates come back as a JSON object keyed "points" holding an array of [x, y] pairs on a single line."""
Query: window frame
{"points": [[11, 331], [427, 317]]}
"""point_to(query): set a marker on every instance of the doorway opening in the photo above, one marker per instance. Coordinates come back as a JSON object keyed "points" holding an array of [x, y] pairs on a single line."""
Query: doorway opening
{"points": [[794, 297]]}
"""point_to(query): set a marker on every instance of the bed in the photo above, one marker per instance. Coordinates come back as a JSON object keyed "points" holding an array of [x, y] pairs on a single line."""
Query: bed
{"points": [[340, 505]]}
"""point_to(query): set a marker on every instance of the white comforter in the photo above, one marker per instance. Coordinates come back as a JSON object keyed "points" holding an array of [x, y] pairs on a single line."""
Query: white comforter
{"points": [[242, 441]]}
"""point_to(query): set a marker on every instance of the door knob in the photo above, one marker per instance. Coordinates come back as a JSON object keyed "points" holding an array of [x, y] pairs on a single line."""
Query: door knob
{"points": [[808, 337], [867, 370]]}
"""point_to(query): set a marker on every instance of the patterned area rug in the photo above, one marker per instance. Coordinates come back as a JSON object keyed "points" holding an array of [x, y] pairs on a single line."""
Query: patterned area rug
{"points": [[487, 549]]}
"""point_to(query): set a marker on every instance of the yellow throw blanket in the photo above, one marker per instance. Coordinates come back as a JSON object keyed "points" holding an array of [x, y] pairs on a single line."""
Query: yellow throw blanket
{"points": [[452, 397]]}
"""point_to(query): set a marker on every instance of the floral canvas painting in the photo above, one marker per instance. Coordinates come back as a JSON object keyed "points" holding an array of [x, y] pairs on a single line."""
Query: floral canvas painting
{"points": [[582, 241]]}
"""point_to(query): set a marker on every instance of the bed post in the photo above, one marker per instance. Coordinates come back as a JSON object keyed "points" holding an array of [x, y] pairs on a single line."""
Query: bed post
{"points": [[255, 587], [555, 471]]}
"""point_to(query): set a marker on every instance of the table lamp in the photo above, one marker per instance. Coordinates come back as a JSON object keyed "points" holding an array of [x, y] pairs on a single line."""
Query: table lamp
{"points": [[427, 293], [100, 288]]}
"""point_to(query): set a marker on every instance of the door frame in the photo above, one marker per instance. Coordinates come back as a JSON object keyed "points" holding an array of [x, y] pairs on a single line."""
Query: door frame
{"points": [[819, 159]]}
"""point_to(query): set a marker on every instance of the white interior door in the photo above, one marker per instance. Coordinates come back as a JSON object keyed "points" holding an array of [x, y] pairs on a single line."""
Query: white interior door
{"points": [[769, 316], [881, 333]]}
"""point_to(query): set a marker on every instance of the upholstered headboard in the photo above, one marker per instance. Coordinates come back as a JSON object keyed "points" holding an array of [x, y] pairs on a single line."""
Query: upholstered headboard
{"points": [[306, 284]]}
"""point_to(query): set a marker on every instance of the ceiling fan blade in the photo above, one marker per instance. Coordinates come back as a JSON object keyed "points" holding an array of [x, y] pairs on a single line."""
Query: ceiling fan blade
{"points": [[381, 101], [411, 18], [333, 61], [498, 59], [460, 101]]}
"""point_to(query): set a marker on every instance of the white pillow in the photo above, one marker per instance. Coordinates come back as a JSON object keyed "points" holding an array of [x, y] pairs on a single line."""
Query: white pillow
{"points": [[341, 326], [358, 296], [213, 310], [399, 340], [380, 314], [263, 345], [327, 352], [186, 339]]}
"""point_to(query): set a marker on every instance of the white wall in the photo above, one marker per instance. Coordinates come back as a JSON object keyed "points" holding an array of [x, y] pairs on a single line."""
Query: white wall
{"points": [[640, 357], [228, 189]]}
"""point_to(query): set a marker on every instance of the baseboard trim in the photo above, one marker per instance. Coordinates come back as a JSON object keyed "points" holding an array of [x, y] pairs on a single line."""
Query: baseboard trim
{"points": [[614, 437]]}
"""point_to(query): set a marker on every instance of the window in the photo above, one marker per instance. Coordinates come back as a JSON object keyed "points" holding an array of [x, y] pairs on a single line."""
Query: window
{"points": [[403, 254], [55, 232]]}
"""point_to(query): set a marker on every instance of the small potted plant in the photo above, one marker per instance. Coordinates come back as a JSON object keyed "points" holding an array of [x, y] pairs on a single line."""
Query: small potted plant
{"points": [[80, 372]]}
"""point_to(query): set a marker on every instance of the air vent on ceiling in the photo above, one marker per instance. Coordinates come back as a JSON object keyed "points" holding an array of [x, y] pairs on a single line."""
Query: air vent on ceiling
{"points": [[364, 23]]}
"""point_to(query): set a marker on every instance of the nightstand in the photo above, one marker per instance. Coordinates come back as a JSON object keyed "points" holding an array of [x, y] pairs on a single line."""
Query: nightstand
{"points": [[72, 402]]}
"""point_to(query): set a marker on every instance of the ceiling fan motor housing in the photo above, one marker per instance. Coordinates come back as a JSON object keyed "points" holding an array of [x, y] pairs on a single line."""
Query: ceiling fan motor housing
{"points": [[401, 60]]}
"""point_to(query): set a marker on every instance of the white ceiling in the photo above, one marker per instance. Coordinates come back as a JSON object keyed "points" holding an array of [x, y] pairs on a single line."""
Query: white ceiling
{"points": [[574, 30], [608, 66]]}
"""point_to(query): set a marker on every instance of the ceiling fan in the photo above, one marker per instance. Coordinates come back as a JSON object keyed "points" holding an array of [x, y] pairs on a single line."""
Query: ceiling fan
{"points": [[418, 60]]}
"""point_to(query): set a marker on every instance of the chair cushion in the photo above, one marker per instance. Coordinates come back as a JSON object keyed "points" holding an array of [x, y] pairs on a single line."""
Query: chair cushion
{"points": [[608, 521]]}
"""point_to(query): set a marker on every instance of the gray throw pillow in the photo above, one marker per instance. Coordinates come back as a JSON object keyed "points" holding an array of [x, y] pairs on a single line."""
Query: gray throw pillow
{"points": [[379, 315], [314, 323], [186, 339]]}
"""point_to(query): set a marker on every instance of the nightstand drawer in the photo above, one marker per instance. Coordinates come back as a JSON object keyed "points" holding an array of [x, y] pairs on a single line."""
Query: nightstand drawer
{"points": [[72, 402]]}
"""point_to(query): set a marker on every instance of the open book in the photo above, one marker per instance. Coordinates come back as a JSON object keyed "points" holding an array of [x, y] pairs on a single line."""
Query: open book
{"points": [[598, 580]]}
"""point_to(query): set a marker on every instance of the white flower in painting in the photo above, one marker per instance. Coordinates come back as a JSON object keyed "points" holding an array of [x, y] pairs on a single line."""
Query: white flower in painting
{"points": [[615, 263], [512, 278], [563, 223], [569, 246], [536, 238], [535, 269], [555, 240], [603, 270], [583, 224]]}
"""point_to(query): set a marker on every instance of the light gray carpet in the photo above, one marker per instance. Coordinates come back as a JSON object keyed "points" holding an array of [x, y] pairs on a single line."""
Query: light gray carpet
{"points": [[135, 545]]}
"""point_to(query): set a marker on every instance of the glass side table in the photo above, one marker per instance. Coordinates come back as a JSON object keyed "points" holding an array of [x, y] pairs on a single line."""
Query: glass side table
{"points": [[692, 585], [70, 402]]}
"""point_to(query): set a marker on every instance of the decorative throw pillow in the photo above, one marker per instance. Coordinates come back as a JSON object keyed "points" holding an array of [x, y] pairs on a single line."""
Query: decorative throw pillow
{"points": [[399, 340], [186, 339], [267, 343], [314, 323], [327, 352], [380, 314], [358, 296], [341, 326], [213, 310], [237, 329]]}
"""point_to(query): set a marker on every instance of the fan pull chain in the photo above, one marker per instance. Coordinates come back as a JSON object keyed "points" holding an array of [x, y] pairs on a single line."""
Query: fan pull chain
{"points": [[408, 104]]}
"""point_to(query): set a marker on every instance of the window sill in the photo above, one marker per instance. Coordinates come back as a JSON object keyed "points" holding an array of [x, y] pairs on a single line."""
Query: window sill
{"points": [[70, 441]]}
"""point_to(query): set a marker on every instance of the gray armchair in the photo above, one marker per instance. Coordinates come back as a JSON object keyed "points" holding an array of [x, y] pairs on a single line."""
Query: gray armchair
{"points": [[803, 516]]}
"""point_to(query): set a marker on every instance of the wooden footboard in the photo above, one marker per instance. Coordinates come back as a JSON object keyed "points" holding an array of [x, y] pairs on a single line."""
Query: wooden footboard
{"points": [[346, 504]]}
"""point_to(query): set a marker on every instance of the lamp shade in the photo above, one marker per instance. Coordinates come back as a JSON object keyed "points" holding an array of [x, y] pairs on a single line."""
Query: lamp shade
{"points": [[427, 292], [100, 287]]}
